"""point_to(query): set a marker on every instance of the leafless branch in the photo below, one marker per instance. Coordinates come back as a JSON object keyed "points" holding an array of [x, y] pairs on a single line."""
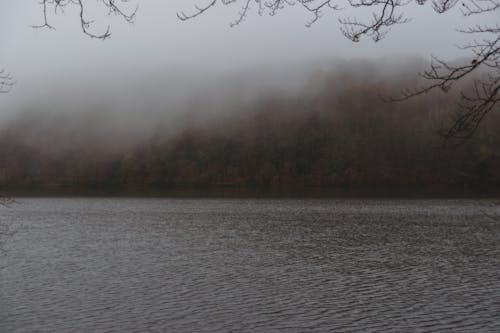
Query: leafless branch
{"points": [[272, 7], [473, 7], [485, 95], [198, 11], [316, 10], [474, 107], [441, 6], [381, 20], [113, 7]]}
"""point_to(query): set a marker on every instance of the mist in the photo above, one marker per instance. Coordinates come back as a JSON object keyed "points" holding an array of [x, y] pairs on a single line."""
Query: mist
{"points": [[323, 126]]}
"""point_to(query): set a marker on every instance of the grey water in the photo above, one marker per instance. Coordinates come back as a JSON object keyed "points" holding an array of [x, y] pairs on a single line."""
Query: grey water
{"points": [[250, 265]]}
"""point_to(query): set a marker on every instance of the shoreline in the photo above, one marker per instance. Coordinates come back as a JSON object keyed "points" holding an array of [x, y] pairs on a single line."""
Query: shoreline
{"points": [[351, 192]]}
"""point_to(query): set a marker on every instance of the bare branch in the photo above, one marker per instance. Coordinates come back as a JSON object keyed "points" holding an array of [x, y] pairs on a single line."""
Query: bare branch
{"points": [[242, 13], [380, 23], [485, 93], [272, 7], [199, 10], [113, 7], [441, 6], [473, 7], [474, 107]]}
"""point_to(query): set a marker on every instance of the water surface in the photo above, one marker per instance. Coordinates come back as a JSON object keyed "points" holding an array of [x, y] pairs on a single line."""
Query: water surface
{"points": [[250, 265]]}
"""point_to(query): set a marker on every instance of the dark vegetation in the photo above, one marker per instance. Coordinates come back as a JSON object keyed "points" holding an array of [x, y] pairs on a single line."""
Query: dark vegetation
{"points": [[335, 132]]}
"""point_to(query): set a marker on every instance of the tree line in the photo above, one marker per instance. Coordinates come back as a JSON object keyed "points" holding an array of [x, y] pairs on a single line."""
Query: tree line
{"points": [[339, 132]]}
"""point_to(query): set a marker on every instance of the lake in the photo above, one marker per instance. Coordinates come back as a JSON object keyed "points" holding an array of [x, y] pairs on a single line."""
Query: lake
{"points": [[250, 265]]}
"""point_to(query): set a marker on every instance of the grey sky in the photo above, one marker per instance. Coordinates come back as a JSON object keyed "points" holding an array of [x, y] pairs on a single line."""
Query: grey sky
{"points": [[158, 43]]}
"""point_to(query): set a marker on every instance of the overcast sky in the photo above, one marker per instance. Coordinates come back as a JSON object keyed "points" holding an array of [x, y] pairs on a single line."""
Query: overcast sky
{"points": [[158, 44]]}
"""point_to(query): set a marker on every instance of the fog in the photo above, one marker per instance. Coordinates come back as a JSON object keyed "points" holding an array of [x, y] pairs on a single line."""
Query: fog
{"points": [[160, 57], [332, 129], [125, 111], [268, 102]]}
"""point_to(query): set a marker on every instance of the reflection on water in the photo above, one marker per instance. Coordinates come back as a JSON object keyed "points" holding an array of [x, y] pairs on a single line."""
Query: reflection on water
{"points": [[221, 265]]}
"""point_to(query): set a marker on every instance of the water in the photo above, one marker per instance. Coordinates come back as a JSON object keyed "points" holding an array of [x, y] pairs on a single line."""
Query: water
{"points": [[225, 265]]}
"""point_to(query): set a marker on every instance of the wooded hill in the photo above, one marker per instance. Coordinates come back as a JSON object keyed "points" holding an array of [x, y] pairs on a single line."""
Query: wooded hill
{"points": [[338, 132]]}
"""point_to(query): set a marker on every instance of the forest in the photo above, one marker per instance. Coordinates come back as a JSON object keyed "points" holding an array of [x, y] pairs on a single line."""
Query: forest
{"points": [[336, 131]]}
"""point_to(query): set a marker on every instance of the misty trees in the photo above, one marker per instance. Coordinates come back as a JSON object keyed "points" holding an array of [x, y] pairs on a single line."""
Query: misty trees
{"points": [[483, 51], [375, 19], [269, 142]]}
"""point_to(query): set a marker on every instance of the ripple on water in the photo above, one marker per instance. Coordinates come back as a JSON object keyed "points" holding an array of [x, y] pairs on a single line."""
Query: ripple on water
{"points": [[133, 265]]}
